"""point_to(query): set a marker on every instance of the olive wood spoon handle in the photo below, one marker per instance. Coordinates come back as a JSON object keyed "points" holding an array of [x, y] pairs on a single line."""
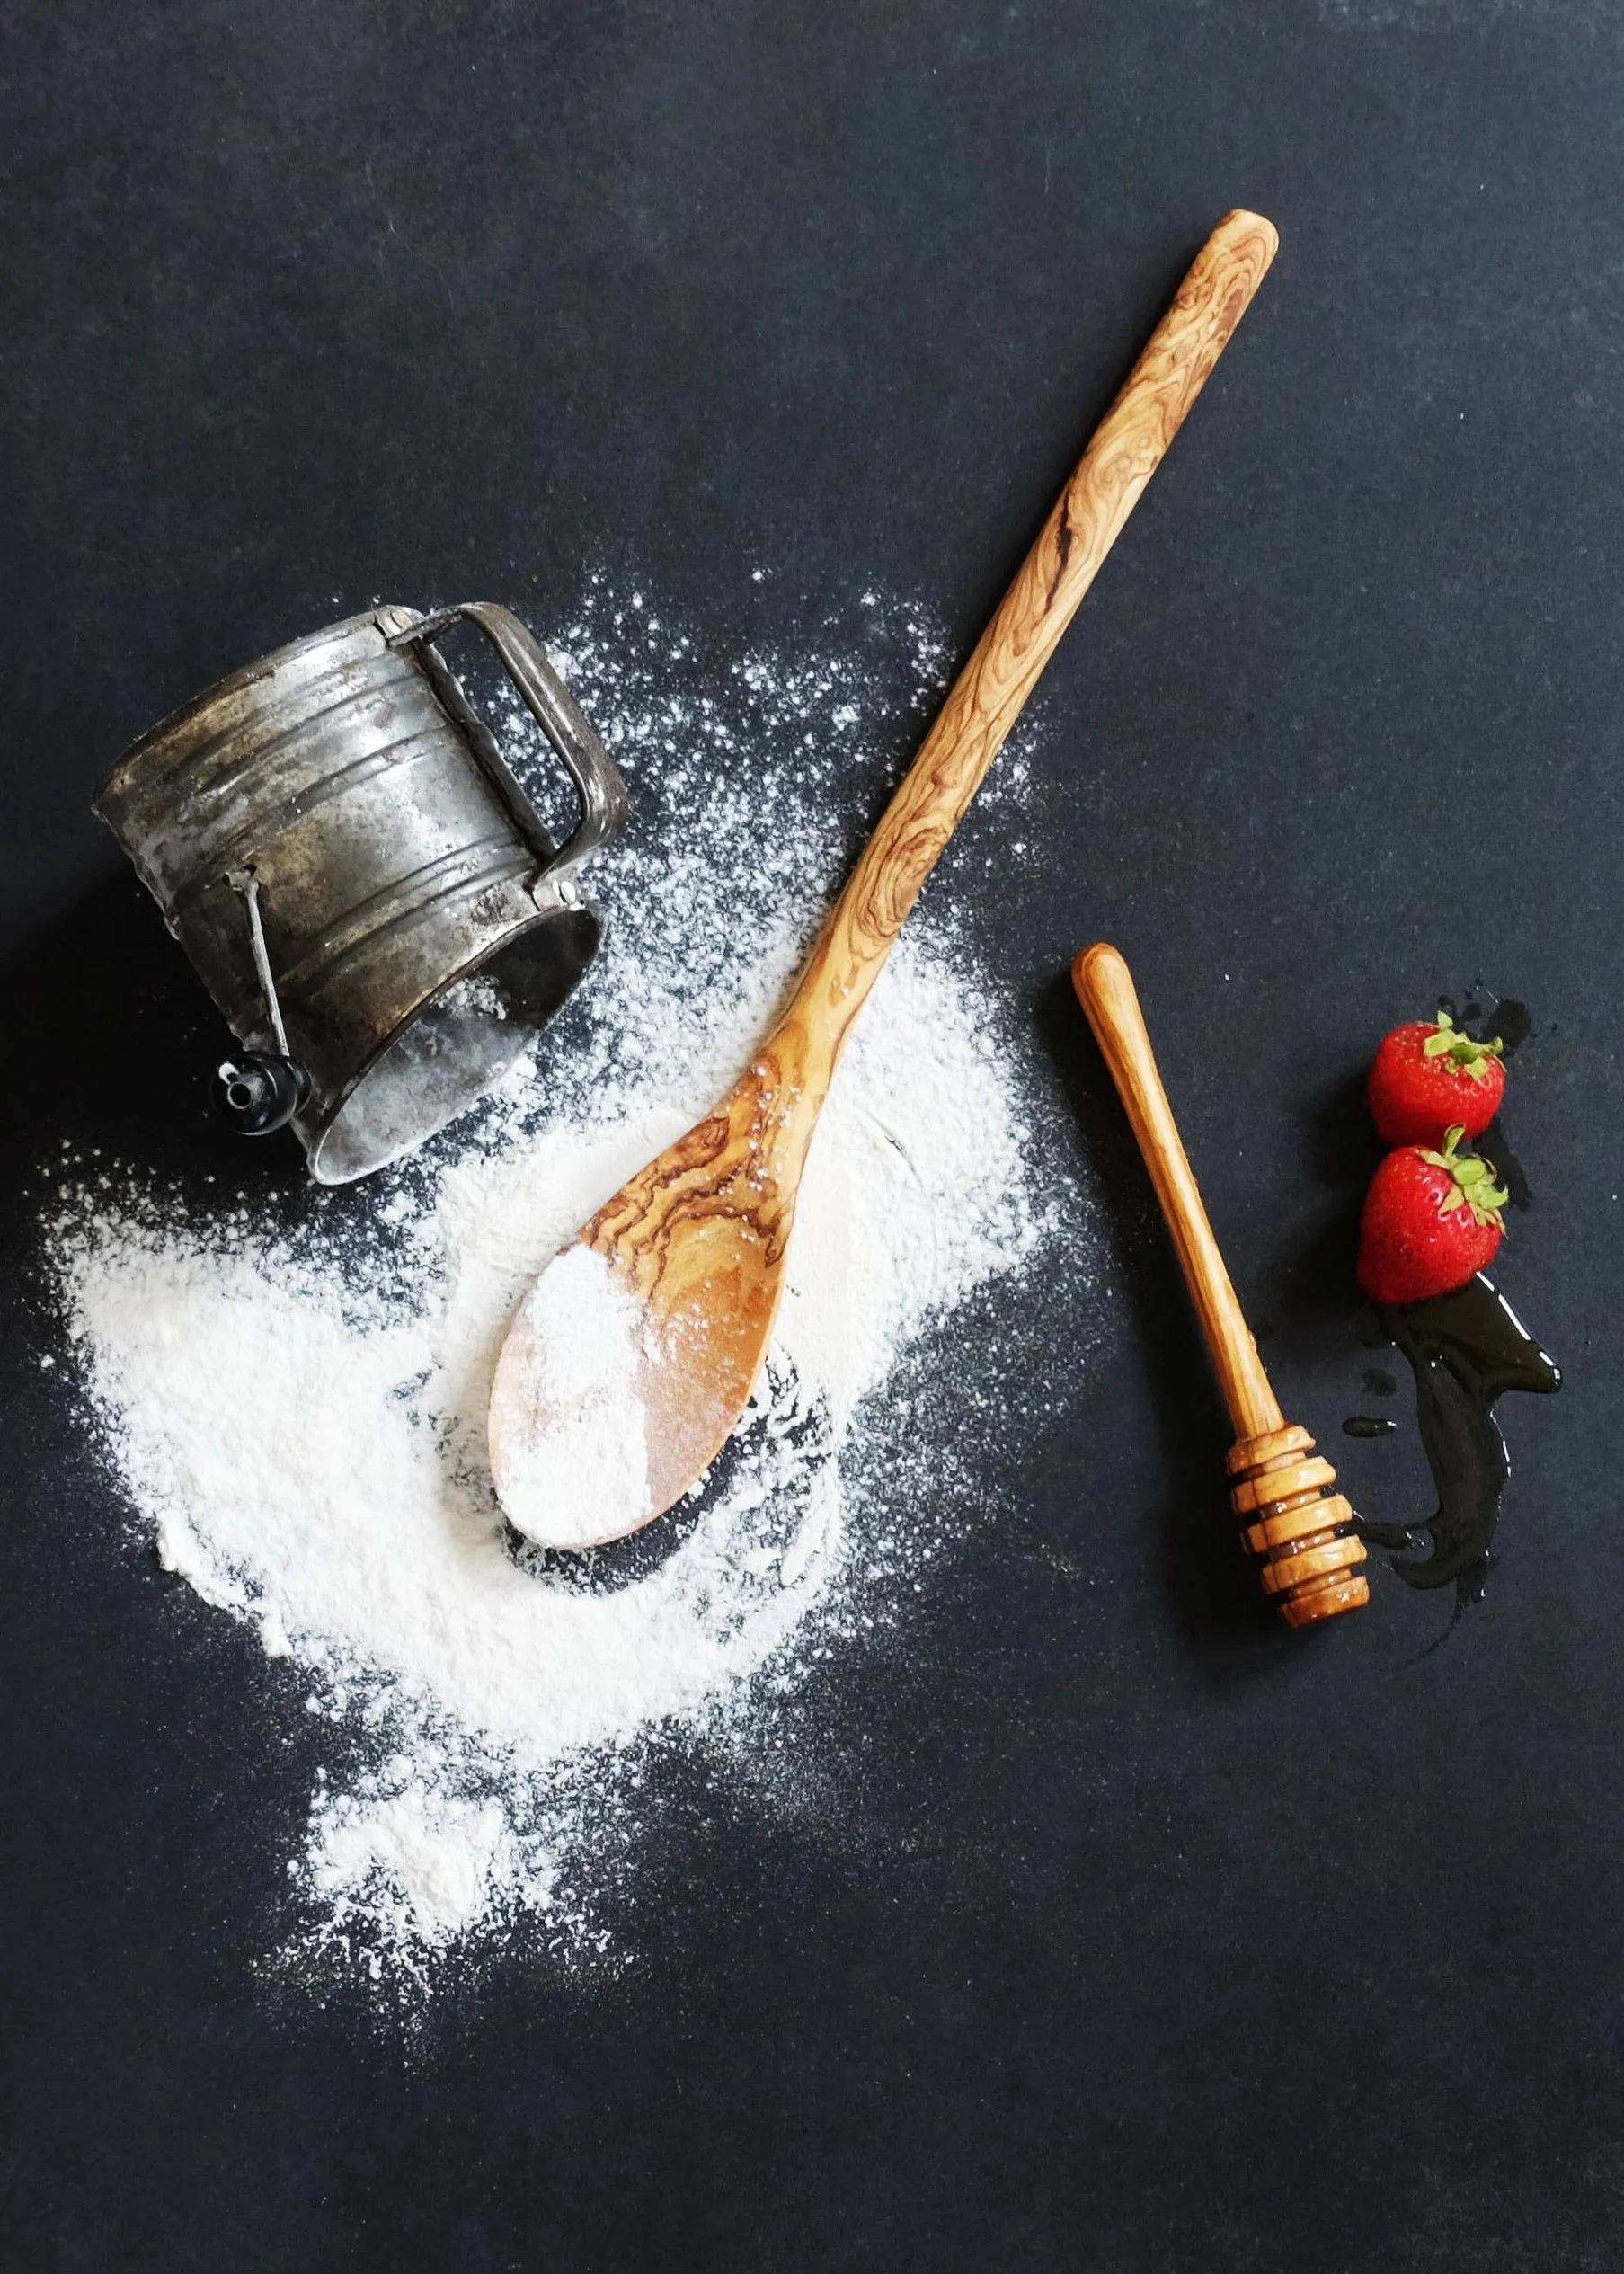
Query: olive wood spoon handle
{"points": [[1301, 1531], [994, 685], [698, 1235]]}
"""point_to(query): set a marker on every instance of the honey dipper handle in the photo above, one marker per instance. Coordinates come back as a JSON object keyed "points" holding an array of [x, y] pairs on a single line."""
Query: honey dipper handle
{"points": [[1105, 988], [987, 698]]}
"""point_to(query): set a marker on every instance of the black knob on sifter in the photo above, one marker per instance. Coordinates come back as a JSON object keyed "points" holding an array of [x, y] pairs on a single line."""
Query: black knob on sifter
{"points": [[260, 1091]]}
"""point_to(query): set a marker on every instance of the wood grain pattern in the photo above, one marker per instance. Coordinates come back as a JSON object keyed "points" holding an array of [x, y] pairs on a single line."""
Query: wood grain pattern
{"points": [[1088, 518], [701, 1232], [1299, 1528]]}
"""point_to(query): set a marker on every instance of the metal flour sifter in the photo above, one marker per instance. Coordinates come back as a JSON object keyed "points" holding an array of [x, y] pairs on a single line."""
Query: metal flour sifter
{"points": [[336, 840]]}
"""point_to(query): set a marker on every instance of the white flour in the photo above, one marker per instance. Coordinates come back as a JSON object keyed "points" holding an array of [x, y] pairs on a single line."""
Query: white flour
{"points": [[576, 1468], [299, 1415]]}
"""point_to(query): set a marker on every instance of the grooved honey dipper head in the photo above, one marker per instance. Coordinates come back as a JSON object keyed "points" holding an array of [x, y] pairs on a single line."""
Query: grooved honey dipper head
{"points": [[1300, 1531]]}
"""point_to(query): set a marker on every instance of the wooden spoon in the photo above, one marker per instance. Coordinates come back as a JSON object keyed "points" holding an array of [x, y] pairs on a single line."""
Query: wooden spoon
{"points": [[699, 1236]]}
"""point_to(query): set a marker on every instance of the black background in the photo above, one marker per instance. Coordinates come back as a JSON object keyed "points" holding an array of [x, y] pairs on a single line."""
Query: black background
{"points": [[1168, 1942]]}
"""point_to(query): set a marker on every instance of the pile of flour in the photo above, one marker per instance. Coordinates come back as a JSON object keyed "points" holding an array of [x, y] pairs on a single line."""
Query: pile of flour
{"points": [[573, 1468], [298, 1414]]}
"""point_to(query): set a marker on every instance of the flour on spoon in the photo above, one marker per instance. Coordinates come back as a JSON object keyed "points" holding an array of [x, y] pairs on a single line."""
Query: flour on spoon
{"points": [[581, 1444]]}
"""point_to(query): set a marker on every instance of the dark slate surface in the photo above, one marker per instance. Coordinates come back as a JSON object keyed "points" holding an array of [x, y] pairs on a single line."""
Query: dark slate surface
{"points": [[1169, 1943]]}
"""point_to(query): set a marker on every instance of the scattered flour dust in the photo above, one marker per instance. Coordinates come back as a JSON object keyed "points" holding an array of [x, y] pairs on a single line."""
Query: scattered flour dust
{"points": [[293, 1394]]}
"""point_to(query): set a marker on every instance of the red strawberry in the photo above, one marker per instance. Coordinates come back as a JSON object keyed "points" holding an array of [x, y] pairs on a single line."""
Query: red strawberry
{"points": [[1430, 1220], [1428, 1078]]}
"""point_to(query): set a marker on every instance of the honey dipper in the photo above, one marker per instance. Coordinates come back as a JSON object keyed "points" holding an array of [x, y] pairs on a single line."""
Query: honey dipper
{"points": [[1300, 1529]]}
